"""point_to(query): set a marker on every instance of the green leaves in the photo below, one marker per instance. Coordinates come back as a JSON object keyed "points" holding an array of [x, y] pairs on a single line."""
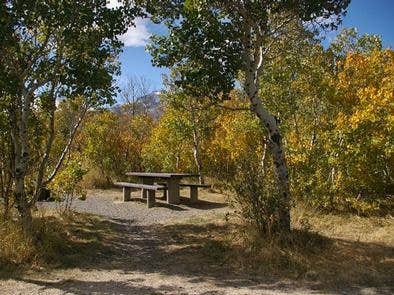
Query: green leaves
{"points": [[349, 40], [208, 40], [201, 49], [72, 43]]}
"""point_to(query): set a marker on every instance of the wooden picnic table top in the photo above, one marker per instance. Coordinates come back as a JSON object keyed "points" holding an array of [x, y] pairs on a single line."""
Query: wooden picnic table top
{"points": [[160, 174]]}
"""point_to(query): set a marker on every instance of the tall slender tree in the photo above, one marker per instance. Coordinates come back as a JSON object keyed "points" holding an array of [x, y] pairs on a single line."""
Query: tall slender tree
{"points": [[49, 51], [213, 43]]}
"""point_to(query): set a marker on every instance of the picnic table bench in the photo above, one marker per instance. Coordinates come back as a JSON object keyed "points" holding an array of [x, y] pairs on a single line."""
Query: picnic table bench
{"points": [[150, 189]]}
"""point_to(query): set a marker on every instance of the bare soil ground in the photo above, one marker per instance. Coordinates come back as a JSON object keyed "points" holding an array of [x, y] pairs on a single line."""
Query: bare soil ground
{"points": [[125, 248]]}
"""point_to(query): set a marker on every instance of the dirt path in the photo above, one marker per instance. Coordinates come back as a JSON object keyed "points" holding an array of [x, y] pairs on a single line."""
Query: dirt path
{"points": [[143, 263], [118, 282], [167, 256]]}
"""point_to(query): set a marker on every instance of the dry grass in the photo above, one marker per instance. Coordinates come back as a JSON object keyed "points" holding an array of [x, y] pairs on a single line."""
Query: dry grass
{"points": [[58, 241], [361, 250], [332, 250], [348, 227]]}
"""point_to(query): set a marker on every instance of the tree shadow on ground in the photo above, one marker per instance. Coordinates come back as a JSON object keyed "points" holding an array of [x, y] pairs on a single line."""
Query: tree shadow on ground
{"points": [[161, 204], [110, 287], [199, 253], [185, 203], [202, 204]]}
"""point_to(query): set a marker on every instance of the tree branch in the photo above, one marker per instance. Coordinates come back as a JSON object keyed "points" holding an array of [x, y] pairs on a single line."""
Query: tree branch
{"points": [[48, 147], [67, 147]]}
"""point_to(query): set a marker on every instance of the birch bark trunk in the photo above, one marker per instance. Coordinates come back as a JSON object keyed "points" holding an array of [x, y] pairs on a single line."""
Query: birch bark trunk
{"points": [[197, 159], [269, 122], [196, 149], [19, 136]]}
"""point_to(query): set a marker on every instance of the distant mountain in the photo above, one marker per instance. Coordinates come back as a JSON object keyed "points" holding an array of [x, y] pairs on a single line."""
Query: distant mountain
{"points": [[149, 103]]}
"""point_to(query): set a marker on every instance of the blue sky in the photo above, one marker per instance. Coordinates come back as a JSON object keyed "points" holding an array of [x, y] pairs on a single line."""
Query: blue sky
{"points": [[372, 17]]}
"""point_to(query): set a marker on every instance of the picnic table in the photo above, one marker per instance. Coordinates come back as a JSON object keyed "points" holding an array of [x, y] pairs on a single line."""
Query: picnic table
{"points": [[172, 180]]}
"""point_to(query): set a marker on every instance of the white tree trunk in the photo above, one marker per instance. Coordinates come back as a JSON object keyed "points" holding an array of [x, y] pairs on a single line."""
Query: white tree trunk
{"points": [[196, 149], [269, 122], [264, 157], [19, 116], [68, 145], [197, 158]]}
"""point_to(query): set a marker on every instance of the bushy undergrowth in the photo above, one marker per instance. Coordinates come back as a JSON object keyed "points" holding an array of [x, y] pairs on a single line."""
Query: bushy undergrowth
{"points": [[67, 184], [56, 240], [256, 198], [94, 178], [333, 250], [288, 253], [14, 248], [45, 245]]}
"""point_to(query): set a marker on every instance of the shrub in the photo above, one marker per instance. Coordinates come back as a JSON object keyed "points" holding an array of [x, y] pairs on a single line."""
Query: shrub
{"points": [[256, 198], [67, 184]]}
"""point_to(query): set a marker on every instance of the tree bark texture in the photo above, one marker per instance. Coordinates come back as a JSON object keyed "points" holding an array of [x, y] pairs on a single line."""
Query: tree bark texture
{"points": [[196, 149], [269, 122]]}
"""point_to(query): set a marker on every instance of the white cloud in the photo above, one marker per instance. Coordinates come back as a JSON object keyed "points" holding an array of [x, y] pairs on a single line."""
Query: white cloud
{"points": [[113, 3], [138, 35]]}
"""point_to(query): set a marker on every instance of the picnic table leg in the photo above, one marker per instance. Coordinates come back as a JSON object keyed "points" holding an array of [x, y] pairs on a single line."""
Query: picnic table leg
{"points": [[144, 192], [173, 191], [126, 194], [193, 194], [150, 201]]}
